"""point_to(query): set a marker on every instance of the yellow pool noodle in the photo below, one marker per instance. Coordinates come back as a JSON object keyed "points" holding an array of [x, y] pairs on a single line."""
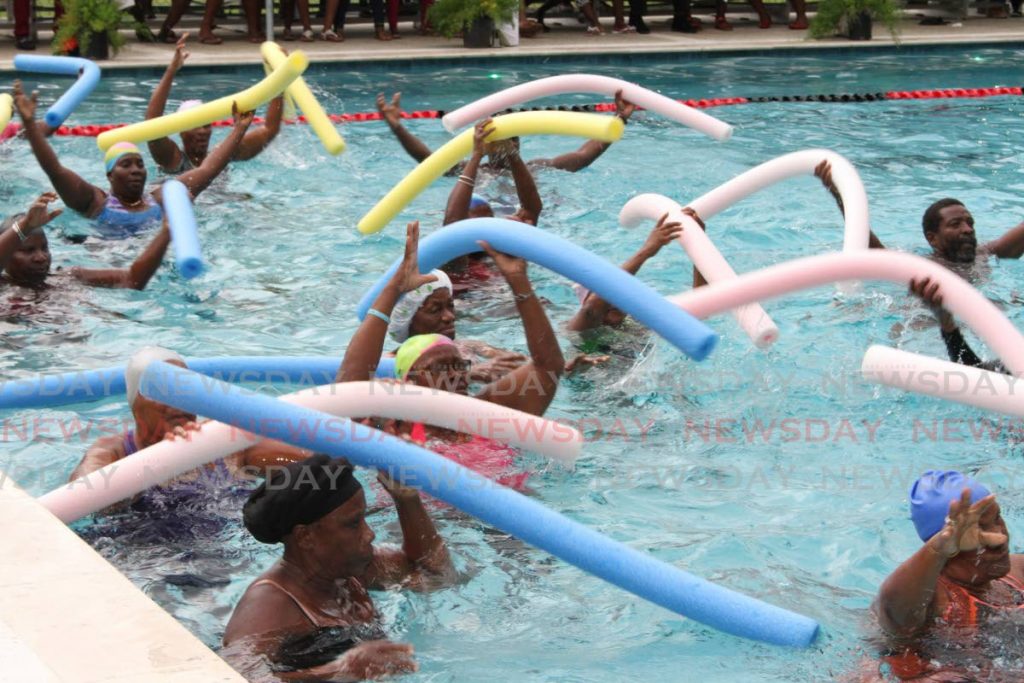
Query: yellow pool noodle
{"points": [[248, 100], [6, 109], [290, 113], [300, 93], [593, 126]]}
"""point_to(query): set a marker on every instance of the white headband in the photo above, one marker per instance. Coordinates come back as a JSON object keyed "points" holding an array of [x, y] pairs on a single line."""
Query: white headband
{"points": [[138, 364]]}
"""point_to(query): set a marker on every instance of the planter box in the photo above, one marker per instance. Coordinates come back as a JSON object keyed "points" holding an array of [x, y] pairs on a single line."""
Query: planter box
{"points": [[479, 34]]}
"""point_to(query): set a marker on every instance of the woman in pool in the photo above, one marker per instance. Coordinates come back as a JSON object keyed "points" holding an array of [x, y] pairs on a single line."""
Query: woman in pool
{"points": [[310, 614], [127, 208], [195, 143], [25, 253]]}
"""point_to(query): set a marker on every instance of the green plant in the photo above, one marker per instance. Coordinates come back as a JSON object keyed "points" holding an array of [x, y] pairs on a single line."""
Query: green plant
{"points": [[450, 17], [83, 19], [833, 14]]}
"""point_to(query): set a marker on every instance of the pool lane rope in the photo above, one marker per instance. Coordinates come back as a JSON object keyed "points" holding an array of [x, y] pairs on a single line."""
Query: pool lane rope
{"points": [[500, 507], [604, 278], [92, 130]]}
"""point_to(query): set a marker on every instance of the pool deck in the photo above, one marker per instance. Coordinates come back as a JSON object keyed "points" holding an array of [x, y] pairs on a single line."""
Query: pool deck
{"points": [[566, 38]]}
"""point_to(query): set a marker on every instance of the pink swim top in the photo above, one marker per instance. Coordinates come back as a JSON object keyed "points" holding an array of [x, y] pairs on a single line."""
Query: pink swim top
{"points": [[487, 457]]}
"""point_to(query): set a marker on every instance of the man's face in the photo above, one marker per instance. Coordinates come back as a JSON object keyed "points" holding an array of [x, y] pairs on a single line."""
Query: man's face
{"points": [[30, 263], [435, 316], [955, 239]]}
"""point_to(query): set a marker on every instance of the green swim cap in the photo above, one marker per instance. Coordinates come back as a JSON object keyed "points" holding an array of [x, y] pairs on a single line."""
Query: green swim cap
{"points": [[413, 349]]}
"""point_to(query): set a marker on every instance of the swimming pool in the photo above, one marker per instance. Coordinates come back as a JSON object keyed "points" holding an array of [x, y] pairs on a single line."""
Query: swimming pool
{"points": [[807, 514]]}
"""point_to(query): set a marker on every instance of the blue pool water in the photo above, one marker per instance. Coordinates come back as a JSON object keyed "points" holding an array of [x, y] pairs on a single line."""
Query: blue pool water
{"points": [[686, 461]]}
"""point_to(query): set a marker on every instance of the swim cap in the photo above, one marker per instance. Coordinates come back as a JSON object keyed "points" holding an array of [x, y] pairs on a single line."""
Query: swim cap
{"points": [[931, 495], [188, 104], [118, 150], [300, 493], [476, 201], [138, 364], [405, 309], [414, 348]]}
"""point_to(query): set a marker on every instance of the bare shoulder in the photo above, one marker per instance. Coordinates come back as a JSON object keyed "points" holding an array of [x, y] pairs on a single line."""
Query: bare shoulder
{"points": [[264, 608], [1017, 566]]}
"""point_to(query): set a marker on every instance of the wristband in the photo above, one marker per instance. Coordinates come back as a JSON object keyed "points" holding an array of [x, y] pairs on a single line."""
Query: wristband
{"points": [[380, 316], [17, 231], [522, 297]]}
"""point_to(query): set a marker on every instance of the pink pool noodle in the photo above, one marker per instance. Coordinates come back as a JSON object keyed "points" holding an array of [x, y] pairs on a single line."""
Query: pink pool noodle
{"points": [[960, 298], [706, 258]]}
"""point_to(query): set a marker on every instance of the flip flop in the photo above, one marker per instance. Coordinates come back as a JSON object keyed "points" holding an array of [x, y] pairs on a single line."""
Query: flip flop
{"points": [[211, 40]]}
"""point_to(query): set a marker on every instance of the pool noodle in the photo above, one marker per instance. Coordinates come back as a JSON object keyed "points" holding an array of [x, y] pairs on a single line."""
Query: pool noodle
{"points": [[168, 459], [705, 256], [587, 83], [594, 126], [289, 113], [86, 70], [960, 298], [246, 100], [490, 502], [301, 95], [971, 386], [6, 109], [47, 391], [188, 256], [622, 290]]}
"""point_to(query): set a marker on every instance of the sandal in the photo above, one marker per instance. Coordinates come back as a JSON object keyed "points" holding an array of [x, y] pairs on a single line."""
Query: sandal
{"points": [[380, 33], [624, 29], [594, 30], [722, 25], [167, 36], [307, 36], [211, 40], [331, 37], [288, 35]]}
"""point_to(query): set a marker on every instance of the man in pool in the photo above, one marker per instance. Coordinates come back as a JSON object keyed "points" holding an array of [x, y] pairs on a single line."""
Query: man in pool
{"points": [[127, 208], [310, 614], [501, 154], [195, 143], [949, 229], [962, 583], [155, 422]]}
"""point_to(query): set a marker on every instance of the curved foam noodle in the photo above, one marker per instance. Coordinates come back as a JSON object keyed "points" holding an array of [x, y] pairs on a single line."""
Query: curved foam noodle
{"points": [[88, 76]]}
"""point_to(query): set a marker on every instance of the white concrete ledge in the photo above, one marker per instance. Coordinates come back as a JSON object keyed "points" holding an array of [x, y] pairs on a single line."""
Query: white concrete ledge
{"points": [[68, 616]]}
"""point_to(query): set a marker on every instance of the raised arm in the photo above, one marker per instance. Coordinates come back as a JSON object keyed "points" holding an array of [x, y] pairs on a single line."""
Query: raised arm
{"points": [[462, 192], [137, 275], [37, 215], [392, 114], [1010, 245], [908, 597], [530, 204], [367, 344], [824, 172], [590, 150], [198, 179], [165, 152], [530, 388], [255, 141], [77, 194], [593, 310]]}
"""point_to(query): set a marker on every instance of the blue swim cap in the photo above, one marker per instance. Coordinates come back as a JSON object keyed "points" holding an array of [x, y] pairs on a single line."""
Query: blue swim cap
{"points": [[931, 495], [477, 201]]}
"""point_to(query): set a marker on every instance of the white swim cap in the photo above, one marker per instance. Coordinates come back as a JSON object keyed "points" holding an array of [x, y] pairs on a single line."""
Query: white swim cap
{"points": [[138, 364]]}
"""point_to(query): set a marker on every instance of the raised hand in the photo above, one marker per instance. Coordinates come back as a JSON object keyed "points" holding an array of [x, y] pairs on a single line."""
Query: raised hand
{"points": [[39, 214], [243, 118], [929, 293], [392, 112], [480, 133], [696, 218], [623, 107], [962, 532], [510, 266], [180, 55], [408, 276], [663, 233], [26, 106]]}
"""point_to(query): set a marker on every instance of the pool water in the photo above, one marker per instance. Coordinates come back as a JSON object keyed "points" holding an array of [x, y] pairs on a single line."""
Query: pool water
{"points": [[778, 473]]}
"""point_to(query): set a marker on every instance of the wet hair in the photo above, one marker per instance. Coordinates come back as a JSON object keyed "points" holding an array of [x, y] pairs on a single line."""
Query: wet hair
{"points": [[933, 214], [300, 493]]}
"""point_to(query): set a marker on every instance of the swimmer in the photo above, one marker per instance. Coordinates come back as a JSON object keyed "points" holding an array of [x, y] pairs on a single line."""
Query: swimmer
{"points": [[956, 346], [499, 154], [435, 361], [949, 229], [127, 208], [311, 614], [195, 143], [155, 422], [959, 585], [25, 253], [430, 309]]}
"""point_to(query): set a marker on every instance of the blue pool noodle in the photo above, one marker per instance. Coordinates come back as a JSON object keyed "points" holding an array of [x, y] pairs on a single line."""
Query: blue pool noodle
{"points": [[188, 257], [503, 508], [88, 76], [50, 391], [608, 281]]}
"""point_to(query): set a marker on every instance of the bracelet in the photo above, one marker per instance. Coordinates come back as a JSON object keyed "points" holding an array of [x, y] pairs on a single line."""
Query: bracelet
{"points": [[465, 181], [520, 298], [380, 316], [17, 231]]}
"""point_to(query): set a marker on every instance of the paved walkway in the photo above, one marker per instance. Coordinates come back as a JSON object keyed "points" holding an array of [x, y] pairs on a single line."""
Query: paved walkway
{"points": [[567, 37]]}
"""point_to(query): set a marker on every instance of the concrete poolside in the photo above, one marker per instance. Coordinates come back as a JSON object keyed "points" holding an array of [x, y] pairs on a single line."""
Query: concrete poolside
{"points": [[567, 37]]}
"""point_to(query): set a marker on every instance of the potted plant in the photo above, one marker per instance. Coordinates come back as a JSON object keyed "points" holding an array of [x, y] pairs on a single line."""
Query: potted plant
{"points": [[91, 26], [475, 19], [852, 18]]}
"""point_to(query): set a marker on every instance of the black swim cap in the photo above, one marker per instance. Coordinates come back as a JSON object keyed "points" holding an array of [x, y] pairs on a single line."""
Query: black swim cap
{"points": [[300, 493]]}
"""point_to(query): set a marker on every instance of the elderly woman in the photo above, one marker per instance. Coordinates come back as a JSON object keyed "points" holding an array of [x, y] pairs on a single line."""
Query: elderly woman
{"points": [[310, 614], [958, 590], [127, 208], [195, 143], [25, 253]]}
